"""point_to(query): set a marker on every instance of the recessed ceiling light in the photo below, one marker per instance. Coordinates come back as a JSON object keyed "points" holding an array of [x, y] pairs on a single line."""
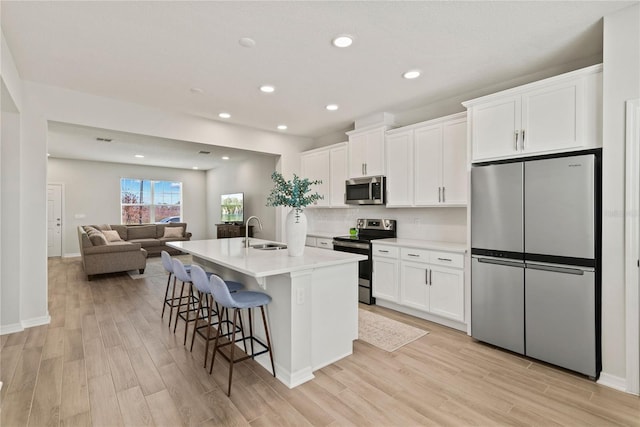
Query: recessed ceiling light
{"points": [[332, 107], [194, 168], [225, 157], [247, 42], [343, 40], [267, 88], [48, 154], [413, 74], [196, 90], [224, 115], [282, 127], [140, 156]]}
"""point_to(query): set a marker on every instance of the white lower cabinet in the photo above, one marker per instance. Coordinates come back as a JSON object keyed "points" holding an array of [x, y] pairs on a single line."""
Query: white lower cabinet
{"points": [[385, 273], [319, 242], [425, 280]]}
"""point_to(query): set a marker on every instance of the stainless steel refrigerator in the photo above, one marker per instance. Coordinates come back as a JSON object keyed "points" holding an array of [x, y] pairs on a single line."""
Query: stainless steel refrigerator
{"points": [[535, 273]]}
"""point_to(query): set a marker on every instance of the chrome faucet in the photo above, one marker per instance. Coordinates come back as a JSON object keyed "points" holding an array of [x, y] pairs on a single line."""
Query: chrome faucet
{"points": [[246, 230]]}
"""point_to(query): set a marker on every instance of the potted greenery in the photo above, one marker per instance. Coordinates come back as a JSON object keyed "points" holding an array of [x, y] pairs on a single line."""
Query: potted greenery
{"points": [[296, 194]]}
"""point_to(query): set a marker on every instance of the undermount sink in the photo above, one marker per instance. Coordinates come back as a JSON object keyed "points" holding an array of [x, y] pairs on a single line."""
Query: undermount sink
{"points": [[269, 246]]}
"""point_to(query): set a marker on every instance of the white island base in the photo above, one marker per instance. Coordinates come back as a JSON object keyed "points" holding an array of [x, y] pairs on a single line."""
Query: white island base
{"points": [[313, 315]]}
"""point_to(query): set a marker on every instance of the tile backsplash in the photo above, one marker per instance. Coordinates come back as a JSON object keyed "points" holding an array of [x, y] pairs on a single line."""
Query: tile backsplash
{"points": [[440, 224]]}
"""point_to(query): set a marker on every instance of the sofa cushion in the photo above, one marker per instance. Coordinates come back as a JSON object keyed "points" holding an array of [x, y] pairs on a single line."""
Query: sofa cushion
{"points": [[141, 232], [112, 236], [103, 227], [161, 227], [122, 230], [147, 242], [170, 232], [97, 238]]}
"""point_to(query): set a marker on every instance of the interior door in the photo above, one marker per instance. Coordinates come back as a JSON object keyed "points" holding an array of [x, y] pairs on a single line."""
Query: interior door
{"points": [[54, 220]]}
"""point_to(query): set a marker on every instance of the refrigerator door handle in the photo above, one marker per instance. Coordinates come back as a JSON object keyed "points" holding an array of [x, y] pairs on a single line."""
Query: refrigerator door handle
{"points": [[555, 269], [500, 262]]}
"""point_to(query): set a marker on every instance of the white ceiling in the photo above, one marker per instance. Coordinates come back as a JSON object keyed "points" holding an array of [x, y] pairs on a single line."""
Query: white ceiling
{"points": [[153, 53]]}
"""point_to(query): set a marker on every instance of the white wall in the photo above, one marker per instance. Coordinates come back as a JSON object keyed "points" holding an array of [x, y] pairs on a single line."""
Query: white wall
{"points": [[439, 224], [253, 178], [92, 189], [621, 82]]}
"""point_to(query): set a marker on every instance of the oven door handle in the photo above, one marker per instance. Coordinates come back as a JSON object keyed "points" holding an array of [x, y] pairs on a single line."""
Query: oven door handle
{"points": [[363, 246]]}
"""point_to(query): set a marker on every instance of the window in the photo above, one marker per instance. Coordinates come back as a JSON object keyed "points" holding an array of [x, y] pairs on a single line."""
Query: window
{"points": [[147, 201]]}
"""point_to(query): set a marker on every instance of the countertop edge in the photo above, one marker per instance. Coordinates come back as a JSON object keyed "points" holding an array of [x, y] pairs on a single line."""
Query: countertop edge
{"points": [[425, 244]]}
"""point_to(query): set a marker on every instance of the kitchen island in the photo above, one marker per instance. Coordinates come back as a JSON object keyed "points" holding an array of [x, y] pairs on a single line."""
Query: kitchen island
{"points": [[313, 316]]}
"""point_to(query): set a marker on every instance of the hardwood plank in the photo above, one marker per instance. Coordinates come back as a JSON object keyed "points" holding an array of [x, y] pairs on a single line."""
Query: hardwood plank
{"points": [[73, 348], [163, 410], [36, 336], [75, 393], [54, 343], [133, 406], [17, 402], [45, 409], [80, 420], [121, 370], [146, 371], [110, 335], [128, 334], [9, 357], [105, 410], [96, 360]]}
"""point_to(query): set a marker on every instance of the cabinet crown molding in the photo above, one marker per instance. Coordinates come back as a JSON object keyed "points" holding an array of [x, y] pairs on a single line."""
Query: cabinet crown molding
{"points": [[571, 75], [457, 116]]}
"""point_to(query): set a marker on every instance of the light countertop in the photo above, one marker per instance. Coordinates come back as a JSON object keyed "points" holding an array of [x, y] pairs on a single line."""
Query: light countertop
{"points": [[326, 234], [424, 244], [232, 254]]}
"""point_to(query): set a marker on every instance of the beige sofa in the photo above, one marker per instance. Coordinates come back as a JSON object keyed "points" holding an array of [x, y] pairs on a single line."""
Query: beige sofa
{"points": [[115, 248]]}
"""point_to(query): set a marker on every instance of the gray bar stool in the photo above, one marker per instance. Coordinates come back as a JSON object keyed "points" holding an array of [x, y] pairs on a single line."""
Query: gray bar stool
{"points": [[180, 272], [238, 301], [172, 302]]}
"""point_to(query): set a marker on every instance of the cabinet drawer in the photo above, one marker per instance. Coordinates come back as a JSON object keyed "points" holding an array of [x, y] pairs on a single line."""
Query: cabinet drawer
{"points": [[311, 241], [417, 255], [385, 251], [447, 258], [324, 243]]}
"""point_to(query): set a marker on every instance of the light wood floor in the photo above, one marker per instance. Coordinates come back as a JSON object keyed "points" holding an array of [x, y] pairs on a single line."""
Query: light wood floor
{"points": [[108, 359]]}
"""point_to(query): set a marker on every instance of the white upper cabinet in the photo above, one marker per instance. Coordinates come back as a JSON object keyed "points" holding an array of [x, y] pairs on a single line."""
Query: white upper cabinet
{"points": [[328, 164], [426, 163], [558, 114], [338, 175], [366, 152]]}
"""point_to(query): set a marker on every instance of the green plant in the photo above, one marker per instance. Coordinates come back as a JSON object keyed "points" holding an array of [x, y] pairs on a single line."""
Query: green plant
{"points": [[292, 193]]}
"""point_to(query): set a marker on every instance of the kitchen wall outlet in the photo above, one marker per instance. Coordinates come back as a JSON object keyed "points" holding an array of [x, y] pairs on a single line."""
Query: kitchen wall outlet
{"points": [[300, 296], [79, 216]]}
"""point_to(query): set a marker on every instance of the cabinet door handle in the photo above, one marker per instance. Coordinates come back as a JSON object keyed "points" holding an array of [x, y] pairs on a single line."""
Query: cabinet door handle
{"points": [[515, 140], [523, 139], [439, 194], [430, 278], [414, 255], [365, 169], [443, 194], [362, 168], [444, 259], [426, 276], [383, 251]]}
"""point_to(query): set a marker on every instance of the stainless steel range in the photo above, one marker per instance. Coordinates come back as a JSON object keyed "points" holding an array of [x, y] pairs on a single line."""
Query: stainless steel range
{"points": [[368, 230]]}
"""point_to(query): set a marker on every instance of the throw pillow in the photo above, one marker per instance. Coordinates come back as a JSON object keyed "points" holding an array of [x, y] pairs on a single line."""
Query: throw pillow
{"points": [[103, 227], [112, 236], [98, 239], [172, 232]]}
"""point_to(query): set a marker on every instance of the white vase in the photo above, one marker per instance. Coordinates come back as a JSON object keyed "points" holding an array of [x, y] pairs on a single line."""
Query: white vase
{"points": [[296, 232]]}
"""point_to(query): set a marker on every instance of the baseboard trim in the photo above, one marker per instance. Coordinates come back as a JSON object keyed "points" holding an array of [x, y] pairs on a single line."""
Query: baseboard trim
{"points": [[11, 329], [612, 381], [71, 255], [36, 321]]}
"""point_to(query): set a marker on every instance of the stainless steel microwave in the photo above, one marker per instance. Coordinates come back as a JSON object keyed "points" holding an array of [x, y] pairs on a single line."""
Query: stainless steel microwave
{"points": [[368, 190]]}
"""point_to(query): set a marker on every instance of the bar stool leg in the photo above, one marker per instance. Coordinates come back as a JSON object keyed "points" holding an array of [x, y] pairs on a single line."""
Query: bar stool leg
{"points": [[195, 328], [179, 306], [233, 346], [173, 298], [266, 331], [166, 294]]}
